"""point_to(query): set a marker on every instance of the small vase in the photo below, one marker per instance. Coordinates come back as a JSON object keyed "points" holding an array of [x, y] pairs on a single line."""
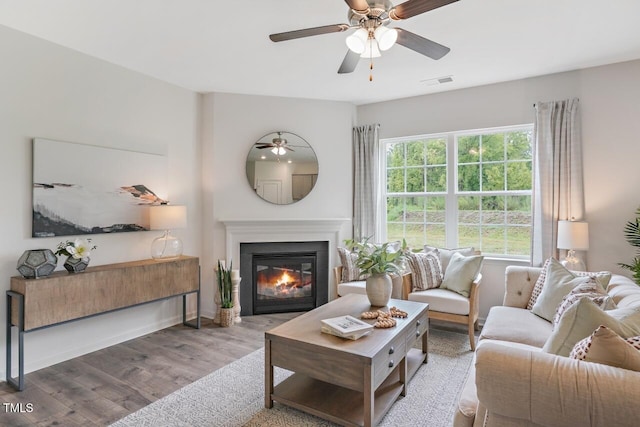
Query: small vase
{"points": [[379, 289], [226, 317], [75, 265], [36, 263]]}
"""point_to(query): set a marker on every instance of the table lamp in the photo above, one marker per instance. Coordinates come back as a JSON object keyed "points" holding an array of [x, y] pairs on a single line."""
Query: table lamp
{"points": [[573, 236], [167, 217]]}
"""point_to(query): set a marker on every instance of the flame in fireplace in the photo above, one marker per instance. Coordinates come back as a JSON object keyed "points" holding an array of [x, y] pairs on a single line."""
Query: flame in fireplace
{"points": [[283, 285]]}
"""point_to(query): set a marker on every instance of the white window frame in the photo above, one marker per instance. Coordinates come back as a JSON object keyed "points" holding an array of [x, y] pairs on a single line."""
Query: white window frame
{"points": [[452, 193]]}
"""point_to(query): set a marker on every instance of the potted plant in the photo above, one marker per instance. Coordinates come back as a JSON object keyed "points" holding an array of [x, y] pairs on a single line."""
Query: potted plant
{"points": [[225, 291], [77, 253], [377, 261], [632, 234]]}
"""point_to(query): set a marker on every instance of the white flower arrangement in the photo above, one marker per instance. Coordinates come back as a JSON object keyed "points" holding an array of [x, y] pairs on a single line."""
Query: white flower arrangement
{"points": [[78, 249]]}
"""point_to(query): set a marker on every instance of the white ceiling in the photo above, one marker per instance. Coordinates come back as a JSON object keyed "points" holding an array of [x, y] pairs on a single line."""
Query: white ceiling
{"points": [[223, 46]]}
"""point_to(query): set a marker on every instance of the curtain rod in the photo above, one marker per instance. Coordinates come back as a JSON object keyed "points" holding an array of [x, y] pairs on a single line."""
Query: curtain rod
{"points": [[534, 105]]}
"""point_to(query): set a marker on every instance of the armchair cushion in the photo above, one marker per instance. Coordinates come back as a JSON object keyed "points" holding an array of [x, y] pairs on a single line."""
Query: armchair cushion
{"points": [[350, 271], [446, 254], [461, 272], [425, 269], [442, 300]]}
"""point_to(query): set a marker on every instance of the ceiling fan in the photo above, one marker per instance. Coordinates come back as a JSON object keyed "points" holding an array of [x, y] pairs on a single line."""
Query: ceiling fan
{"points": [[278, 145], [370, 19]]}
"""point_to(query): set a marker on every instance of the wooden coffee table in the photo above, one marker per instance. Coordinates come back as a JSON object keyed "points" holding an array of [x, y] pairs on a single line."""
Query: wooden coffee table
{"points": [[352, 383]]}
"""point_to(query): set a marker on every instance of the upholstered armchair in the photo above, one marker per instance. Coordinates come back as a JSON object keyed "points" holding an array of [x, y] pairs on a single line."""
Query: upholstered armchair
{"points": [[359, 286], [448, 305]]}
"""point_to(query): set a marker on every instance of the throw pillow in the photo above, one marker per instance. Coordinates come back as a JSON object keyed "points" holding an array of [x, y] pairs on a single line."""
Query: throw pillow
{"points": [[426, 271], [461, 272], [446, 254], [582, 318], [350, 271], [606, 347], [590, 289], [557, 284], [603, 278]]}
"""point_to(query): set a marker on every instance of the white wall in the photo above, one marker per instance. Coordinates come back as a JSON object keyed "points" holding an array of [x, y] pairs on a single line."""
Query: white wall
{"points": [[232, 124], [610, 109], [53, 92]]}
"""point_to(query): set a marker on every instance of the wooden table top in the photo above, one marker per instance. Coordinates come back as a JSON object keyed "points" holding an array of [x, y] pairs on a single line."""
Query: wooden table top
{"points": [[305, 330]]}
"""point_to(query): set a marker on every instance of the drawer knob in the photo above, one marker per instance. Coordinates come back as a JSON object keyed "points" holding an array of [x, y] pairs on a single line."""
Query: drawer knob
{"points": [[418, 323], [417, 333], [391, 363], [392, 350]]}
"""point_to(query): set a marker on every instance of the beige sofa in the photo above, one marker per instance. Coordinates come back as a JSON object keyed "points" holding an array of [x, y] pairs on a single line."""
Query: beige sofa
{"points": [[514, 383]]}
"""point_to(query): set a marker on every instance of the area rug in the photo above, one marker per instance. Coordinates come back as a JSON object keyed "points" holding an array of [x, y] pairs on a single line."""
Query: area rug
{"points": [[233, 396]]}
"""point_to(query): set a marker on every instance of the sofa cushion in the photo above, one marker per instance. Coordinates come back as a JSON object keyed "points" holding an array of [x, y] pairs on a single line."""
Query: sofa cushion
{"points": [[602, 276], [467, 401], [515, 325], [590, 289], [582, 318], [442, 300], [557, 284], [606, 347], [461, 272], [425, 269], [446, 254]]}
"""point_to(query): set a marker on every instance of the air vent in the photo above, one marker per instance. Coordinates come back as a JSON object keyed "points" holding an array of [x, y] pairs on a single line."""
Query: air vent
{"points": [[437, 80]]}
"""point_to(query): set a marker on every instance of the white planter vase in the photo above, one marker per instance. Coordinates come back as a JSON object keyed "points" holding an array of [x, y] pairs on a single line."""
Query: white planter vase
{"points": [[379, 289]]}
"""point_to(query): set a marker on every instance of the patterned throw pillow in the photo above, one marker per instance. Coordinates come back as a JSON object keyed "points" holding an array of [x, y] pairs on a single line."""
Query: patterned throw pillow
{"points": [[590, 289], [602, 277], [426, 270], [350, 271], [606, 347]]}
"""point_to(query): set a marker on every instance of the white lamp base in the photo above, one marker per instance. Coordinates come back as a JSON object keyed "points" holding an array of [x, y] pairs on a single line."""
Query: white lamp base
{"points": [[166, 247], [572, 262]]}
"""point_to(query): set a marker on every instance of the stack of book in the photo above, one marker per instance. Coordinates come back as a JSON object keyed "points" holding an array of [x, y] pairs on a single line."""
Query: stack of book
{"points": [[346, 327]]}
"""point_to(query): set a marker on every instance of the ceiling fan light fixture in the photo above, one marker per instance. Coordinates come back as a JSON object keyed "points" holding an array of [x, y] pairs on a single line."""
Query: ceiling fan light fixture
{"points": [[386, 37], [371, 50], [278, 151], [357, 41]]}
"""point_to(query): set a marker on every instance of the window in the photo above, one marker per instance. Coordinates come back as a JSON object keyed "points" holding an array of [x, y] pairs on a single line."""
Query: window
{"points": [[461, 189]]}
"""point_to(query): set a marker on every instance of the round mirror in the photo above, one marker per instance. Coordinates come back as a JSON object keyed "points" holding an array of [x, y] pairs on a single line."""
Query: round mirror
{"points": [[282, 168]]}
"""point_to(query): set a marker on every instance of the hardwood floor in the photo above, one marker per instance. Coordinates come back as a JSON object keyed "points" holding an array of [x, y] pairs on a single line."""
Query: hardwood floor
{"points": [[101, 387]]}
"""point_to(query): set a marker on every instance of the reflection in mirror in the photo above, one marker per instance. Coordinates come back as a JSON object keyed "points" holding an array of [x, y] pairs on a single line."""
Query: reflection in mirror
{"points": [[282, 168]]}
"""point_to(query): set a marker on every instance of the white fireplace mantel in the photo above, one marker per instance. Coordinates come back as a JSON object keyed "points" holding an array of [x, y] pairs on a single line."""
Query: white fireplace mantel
{"points": [[333, 230]]}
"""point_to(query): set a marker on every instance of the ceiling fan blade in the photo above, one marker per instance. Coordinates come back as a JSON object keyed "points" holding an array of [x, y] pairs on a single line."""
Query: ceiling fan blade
{"points": [[421, 45], [287, 148], [307, 32], [416, 7], [265, 146], [349, 62], [361, 7]]}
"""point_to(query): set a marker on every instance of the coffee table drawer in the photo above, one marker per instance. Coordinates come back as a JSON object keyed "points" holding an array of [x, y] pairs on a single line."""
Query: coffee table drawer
{"points": [[388, 359], [419, 327]]}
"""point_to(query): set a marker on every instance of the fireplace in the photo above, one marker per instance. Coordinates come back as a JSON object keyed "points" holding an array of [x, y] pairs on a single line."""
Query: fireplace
{"points": [[280, 277]]}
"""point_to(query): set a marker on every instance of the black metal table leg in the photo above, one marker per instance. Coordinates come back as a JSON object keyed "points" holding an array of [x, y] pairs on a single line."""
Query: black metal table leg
{"points": [[19, 384]]}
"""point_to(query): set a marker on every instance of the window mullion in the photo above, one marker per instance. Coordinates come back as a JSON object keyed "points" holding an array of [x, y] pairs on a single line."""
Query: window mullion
{"points": [[451, 200]]}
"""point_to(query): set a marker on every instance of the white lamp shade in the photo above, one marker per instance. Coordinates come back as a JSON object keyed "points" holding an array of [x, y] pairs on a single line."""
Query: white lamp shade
{"points": [[357, 41], [573, 235], [386, 37], [167, 217], [371, 50]]}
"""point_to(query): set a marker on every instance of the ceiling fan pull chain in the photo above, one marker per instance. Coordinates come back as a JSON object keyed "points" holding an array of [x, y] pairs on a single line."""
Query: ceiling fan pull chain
{"points": [[371, 70]]}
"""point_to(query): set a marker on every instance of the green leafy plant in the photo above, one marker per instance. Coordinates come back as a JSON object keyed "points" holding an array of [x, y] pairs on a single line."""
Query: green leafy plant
{"points": [[377, 259], [632, 234], [224, 285]]}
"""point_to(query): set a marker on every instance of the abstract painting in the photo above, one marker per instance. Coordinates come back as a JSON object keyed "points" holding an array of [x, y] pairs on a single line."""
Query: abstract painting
{"points": [[86, 189]]}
